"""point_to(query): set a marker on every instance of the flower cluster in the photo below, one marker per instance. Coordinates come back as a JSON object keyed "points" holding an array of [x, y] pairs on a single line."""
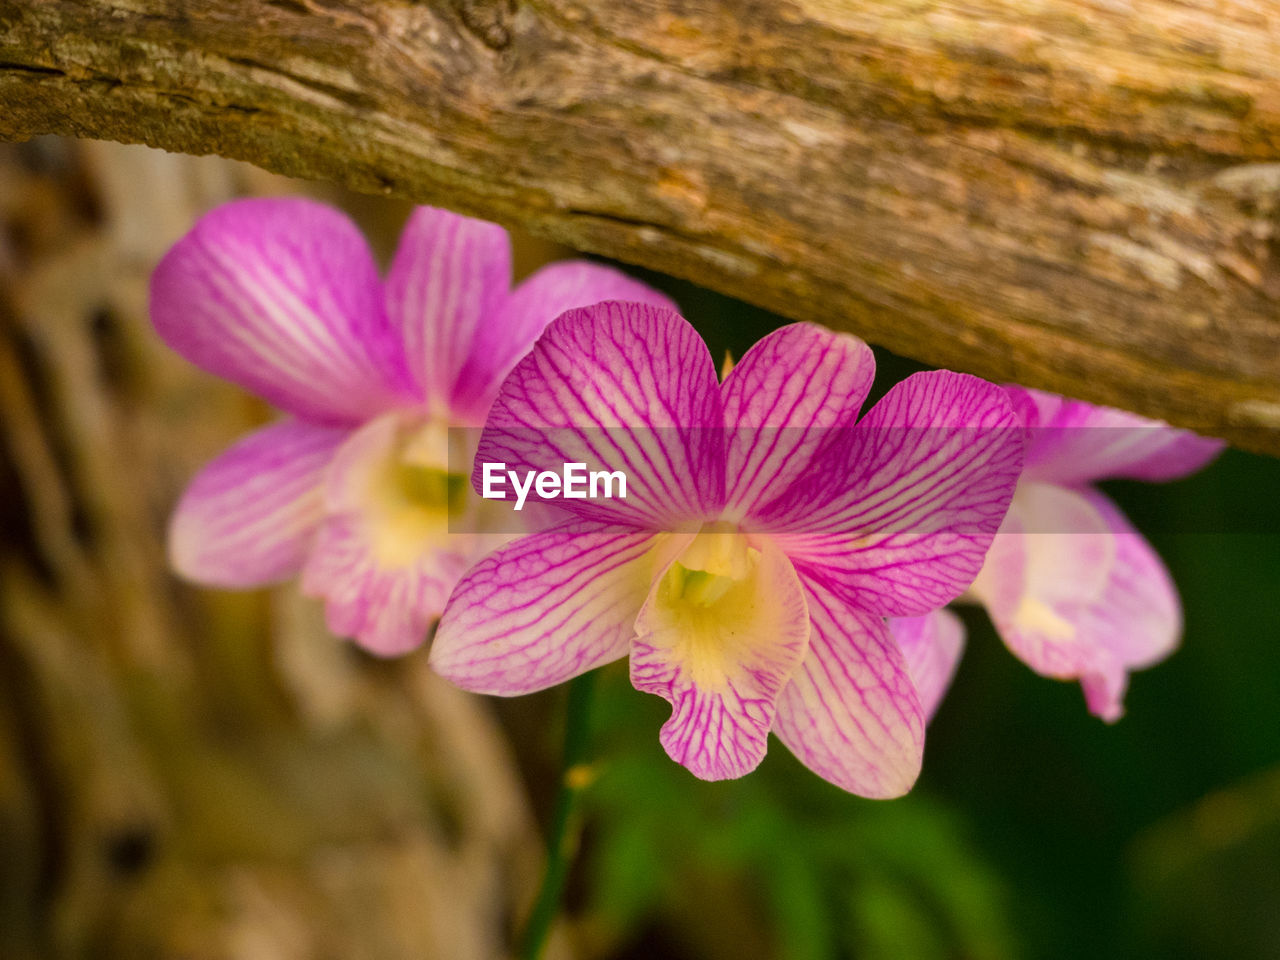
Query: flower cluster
{"points": [[780, 560]]}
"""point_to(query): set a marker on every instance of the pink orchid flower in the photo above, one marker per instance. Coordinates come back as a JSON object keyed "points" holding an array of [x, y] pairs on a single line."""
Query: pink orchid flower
{"points": [[766, 534], [352, 488], [1073, 589]]}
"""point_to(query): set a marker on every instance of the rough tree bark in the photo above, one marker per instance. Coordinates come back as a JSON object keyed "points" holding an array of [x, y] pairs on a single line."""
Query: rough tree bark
{"points": [[1079, 195]]}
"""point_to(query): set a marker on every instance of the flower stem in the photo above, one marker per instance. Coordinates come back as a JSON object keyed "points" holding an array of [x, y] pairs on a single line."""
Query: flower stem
{"points": [[561, 841]]}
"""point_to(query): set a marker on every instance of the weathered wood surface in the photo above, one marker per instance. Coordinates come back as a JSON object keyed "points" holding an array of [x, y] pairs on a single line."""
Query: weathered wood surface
{"points": [[1080, 195], [186, 773]]}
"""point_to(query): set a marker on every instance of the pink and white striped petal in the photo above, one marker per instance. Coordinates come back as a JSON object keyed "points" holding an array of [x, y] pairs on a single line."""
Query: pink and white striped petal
{"points": [[1071, 442], [851, 713], [446, 289], [1077, 593], [932, 646], [249, 516], [545, 608], [282, 297], [721, 657], [898, 516], [619, 386], [782, 401], [505, 338], [386, 608]]}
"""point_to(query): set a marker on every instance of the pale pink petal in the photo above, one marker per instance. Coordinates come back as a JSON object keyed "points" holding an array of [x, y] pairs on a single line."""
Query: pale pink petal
{"points": [[506, 337], [781, 403], [618, 386], [545, 608], [386, 608], [932, 645], [1104, 691], [721, 664], [851, 713], [445, 290], [1072, 442], [282, 297], [1140, 618], [249, 516], [1077, 593], [898, 517]]}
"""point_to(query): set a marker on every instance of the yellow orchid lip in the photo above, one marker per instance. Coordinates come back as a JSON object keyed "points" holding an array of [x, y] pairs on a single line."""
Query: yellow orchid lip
{"points": [[394, 473]]}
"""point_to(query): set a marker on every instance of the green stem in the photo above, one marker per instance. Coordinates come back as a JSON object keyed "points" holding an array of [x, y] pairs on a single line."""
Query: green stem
{"points": [[561, 842]]}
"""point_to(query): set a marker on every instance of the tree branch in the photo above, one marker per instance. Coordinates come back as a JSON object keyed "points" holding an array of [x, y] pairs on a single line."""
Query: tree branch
{"points": [[1075, 195]]}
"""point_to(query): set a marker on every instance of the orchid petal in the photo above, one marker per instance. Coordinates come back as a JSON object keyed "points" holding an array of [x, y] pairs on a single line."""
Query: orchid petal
{"points": [[851, 713], [386, 608], [721, 664], [618, 386], [445, 289], [931, 645], [545, 608], [1140, 616], [780, 403], [898, 517], [538, 300], [249, 516], [282, 297], [1071, 442], [1077, 593]]}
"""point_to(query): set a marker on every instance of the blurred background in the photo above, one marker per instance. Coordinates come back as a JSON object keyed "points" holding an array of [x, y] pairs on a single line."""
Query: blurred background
{"points": [[195, 774]]}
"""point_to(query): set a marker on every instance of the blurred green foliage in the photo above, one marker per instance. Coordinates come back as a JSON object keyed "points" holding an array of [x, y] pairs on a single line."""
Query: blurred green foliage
{"points": [[808, 871], [1035, 831]]}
